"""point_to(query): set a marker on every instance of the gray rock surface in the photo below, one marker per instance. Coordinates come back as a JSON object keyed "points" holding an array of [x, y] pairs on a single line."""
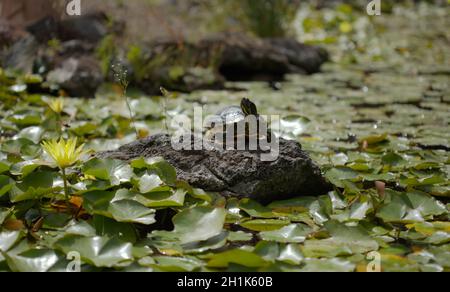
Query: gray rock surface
{"points": [[236, 173], [79, 77]]}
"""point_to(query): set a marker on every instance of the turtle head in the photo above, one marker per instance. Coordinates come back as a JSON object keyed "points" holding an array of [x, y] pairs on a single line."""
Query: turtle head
{"points": [[248, 107]]}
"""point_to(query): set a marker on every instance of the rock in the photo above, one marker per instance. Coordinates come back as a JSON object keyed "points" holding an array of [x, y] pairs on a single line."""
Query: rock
{"points": [[79, 77], [245, 58], [172, 65], [235, 173], [301, 58], [6, 35], [75, 48], [91, 28], [72, 65], [22, 55], [178, 65], [44, 29]]}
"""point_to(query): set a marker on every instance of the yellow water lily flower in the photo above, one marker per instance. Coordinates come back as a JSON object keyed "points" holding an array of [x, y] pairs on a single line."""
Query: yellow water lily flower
{"points": [[57, 105], [64, 153]]}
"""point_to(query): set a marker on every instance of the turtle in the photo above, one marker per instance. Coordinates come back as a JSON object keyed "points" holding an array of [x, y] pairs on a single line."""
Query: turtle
{"points": [[231, 117]]}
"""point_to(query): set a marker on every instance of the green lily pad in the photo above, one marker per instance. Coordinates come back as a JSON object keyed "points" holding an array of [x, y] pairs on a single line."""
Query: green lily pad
{"points": [[337, 175], [158, 165], [114, 171], [176, 264], [24, 168], [239, 236], [265, 224], [21, 147], [344, 241], [162, 199], [199, 223], [121, 210], [294, 233], [32, 260], [291, 254], [4, 213], [34, 186], [6, 184], [107, 227], [98, 251], [151, 183], [32, 133], [8, 239], [131, 211], [328, 265], [255, 209], [213, 243], [4, 166], [409, 207], [236, 256]]}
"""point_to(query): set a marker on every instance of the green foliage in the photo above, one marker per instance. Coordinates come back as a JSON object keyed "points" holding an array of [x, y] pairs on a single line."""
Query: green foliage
{"points": [[106, 52], [268, 18]]}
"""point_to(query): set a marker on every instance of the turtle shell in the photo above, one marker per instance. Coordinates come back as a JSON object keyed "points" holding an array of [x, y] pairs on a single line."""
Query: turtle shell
{"points": [[227, 116], [231, 115]]}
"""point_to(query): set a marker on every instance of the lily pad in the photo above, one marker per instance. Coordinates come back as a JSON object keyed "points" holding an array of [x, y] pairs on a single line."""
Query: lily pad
{"points": [[122, 210], [158, 165], [265, 224], [34, 186], [236, 256], [410, 207], [6, 184], [294, 233], [98, 251], [114, 171], [199, 223]]}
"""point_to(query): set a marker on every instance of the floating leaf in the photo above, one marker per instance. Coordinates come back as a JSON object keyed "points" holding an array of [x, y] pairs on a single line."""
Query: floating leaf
{"points": [[26, 119], [33, 260], [236, 256], [32, 133], [8, 239], [21, 147], [239, 236], [199, 223], [344, 240], [268, 250], [409, 207], [328, 265], [255, 209], [176, 264], [108, 227], [128, 211], [161, 167], [6, 184], [98, 251], [114, 171], [375, 139], [265, 224], [24, 168], [4, 166], [294, 233], [34, 186], [213, 243], [162, 199], [291, 254], [151, 183], [293, 125], [336, 175], [4, 213], [131, 211]]}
